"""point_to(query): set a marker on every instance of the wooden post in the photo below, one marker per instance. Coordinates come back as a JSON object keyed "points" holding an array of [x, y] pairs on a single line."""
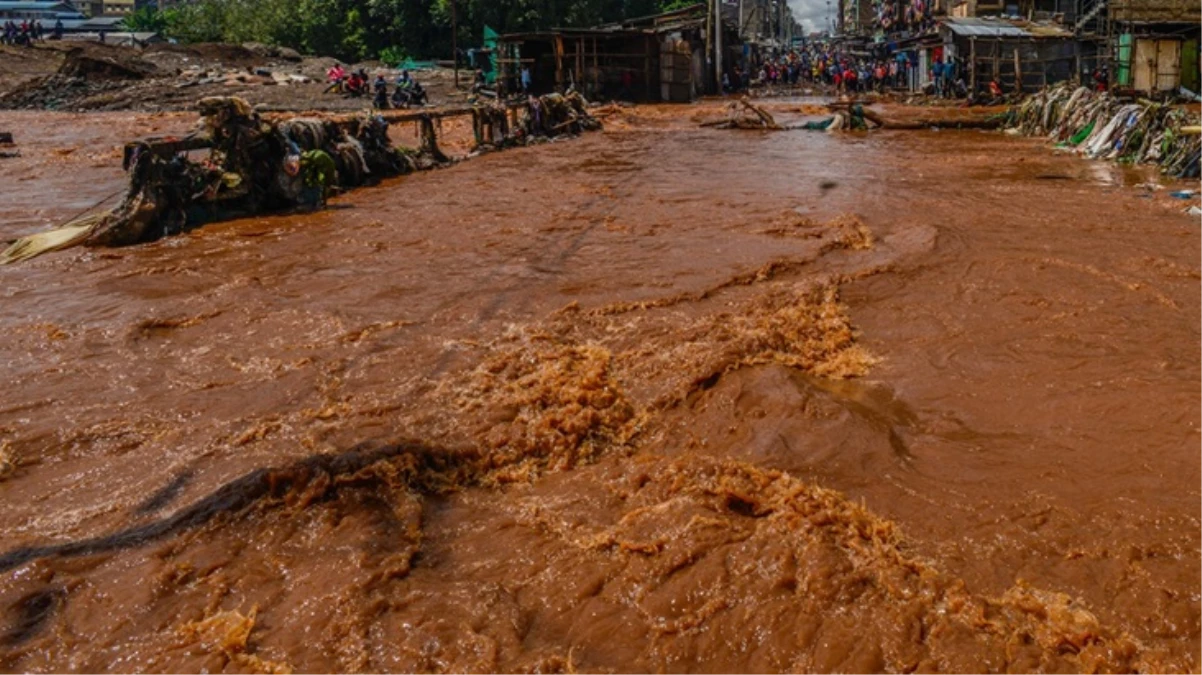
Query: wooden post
{"points": [[1155, 79], [972, 66], [558, 47], [1077, 62], [596, 72], [997, 62], [647, 55], [1018, 73], [580, 63]]}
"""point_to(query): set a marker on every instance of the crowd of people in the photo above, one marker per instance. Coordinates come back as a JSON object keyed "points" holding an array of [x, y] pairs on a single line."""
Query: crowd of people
{"points": [[845, 73], [28, 32], [356, 83]]}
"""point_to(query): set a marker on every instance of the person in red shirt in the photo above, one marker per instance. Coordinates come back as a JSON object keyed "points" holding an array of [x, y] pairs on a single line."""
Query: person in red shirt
{"points": [[356, 84]]}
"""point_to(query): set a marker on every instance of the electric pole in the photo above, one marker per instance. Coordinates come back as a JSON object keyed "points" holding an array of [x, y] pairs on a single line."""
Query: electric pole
{"points": [[718, 44]]}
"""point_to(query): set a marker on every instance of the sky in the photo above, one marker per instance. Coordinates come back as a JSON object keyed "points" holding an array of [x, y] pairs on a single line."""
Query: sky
{"points": [[812, 13]]}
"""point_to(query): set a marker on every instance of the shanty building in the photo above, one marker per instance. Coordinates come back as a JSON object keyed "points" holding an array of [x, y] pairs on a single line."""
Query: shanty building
{"points": [[856, 17], [664, 57], [1156, 44], [1023, 56], [600, 63]]}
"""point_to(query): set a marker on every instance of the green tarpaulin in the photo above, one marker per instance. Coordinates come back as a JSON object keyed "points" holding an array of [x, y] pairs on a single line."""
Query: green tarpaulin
{"points": [[1123, 76], [490, 43]]}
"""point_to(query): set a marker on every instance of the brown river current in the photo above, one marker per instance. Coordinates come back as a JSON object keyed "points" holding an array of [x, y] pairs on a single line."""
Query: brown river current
{"points": [[658, 398]]}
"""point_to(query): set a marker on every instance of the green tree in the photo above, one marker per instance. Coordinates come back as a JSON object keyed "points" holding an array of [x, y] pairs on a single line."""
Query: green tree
{"points": [[147, 20], [356, 29]]}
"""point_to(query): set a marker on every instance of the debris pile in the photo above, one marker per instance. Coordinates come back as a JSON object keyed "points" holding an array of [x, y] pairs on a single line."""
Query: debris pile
{"points": [[848, 116], [256, 166], [198, 75], [91, 76], [746, 115], [93, 67], [81, 75], [1100, 125], [555, 114]]}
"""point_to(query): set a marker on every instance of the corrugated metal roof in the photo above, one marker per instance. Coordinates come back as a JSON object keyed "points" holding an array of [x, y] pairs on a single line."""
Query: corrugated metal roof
{"points": [[36, 5], [105, 22], [995, 27], [980, 27]]}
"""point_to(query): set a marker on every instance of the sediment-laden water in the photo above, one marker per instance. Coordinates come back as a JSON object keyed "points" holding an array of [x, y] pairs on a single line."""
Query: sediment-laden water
{"points": [[658, 399]]}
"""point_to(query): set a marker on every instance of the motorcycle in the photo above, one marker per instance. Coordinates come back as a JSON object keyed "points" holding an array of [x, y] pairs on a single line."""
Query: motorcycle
{"points": [[413, 95]]}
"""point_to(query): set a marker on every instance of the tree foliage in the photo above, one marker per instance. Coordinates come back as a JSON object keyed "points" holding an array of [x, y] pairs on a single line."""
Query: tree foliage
{"points": [[352, 30]]}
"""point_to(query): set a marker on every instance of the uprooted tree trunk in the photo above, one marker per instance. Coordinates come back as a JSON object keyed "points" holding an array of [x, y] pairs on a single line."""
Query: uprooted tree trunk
{"points": [[745, 115], [926, 122]]}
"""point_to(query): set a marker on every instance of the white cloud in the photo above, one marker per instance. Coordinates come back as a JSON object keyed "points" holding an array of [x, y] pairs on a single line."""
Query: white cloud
{"points": [[813, 14]]}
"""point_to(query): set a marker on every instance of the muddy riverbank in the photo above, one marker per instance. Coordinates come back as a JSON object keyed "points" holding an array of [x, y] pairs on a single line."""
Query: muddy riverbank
{"points": [[79, 76], [660, 398]]}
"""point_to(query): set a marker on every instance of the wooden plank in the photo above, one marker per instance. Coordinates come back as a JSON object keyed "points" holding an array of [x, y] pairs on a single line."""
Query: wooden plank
{"points": [[580, 62], [1018, 73], [559, 62]]}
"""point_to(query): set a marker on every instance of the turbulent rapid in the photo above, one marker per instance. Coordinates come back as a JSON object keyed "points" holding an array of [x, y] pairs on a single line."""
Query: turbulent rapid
{"points": [[661, 398]]}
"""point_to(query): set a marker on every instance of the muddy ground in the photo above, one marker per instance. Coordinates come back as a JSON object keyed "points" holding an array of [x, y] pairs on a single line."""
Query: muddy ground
{"points": [[169, 77], [660, 398]]}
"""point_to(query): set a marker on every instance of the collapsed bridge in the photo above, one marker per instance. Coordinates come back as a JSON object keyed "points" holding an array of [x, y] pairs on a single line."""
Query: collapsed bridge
{"points": [[258, 163]]}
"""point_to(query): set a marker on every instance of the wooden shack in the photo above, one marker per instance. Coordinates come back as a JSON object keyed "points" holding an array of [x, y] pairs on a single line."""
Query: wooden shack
{"points": [[600, 63], [1023, 56], [661, 57]]}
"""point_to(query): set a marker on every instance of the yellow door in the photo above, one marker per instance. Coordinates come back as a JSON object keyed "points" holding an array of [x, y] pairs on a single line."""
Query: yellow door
{"points": [[1144, 64], [1168, 64]]}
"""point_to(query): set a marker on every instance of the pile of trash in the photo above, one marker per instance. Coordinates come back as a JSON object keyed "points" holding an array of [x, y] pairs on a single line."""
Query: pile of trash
{"points": [[256, 166], [1100, 125], [541, 118], [198, 75]]}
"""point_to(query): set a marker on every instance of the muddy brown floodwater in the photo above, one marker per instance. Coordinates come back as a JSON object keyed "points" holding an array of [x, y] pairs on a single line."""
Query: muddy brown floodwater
{"points": [[657, 399]]}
